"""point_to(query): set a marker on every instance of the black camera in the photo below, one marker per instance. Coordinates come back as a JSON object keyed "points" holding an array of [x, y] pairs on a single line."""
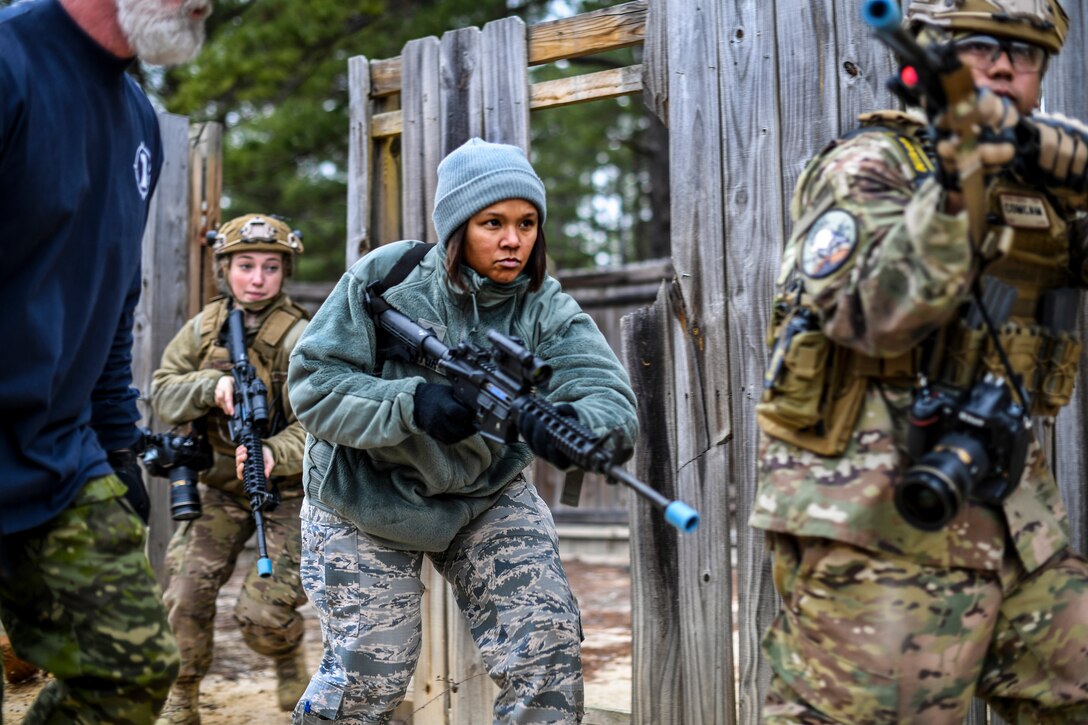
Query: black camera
{"points": [[967, 446], [179, 459]]}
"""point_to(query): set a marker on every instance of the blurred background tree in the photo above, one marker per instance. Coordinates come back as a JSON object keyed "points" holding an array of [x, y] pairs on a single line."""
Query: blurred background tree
{"points": [[274, 73]]}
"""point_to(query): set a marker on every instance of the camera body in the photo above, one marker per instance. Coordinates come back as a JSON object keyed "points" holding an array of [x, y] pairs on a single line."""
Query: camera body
{"points": [[179, 459], [965, 446]]}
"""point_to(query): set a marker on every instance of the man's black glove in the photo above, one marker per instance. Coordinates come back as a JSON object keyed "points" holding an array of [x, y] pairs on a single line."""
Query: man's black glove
{"points": [[442, 416], [128, 470], [535, 433]]}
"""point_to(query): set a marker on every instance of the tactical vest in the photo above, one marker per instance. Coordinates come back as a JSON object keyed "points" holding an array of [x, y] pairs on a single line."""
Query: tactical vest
{"points": [[814, 403], [262, 355]]}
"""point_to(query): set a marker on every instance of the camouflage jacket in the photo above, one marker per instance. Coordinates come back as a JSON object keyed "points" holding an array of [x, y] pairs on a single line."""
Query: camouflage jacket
{"points": [[900, 270], [183, 390]]}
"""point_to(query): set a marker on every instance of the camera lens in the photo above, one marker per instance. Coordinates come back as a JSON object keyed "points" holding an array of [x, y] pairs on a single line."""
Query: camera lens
{"points": [[184, 496], [931, 492]]}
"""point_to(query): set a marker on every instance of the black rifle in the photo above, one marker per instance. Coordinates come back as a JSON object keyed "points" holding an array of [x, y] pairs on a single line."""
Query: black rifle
{"points": [[500, 386], [248, 426]]}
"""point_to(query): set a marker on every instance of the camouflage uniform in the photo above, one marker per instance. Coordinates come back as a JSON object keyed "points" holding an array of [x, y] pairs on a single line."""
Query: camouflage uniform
{"points": [[203, 552], [510, 585], [883, 622], [83, 603]]}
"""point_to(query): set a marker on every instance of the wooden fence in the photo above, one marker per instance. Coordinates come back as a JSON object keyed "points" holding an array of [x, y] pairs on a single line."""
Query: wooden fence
{"points": [[750, 89]]}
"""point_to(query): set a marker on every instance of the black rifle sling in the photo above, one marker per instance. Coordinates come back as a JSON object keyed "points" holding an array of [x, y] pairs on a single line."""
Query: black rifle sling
{"points": [[397, 274], [572, 485], [407, 262]]}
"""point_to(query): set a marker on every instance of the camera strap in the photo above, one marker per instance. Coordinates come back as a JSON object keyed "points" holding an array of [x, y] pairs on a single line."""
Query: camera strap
{"points": [[991, 330]]}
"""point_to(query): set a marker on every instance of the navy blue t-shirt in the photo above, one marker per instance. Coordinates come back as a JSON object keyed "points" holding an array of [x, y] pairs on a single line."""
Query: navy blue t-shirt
{"points": [[80, 154]]}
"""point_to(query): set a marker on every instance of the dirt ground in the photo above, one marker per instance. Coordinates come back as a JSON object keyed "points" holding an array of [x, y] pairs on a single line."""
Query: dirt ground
{"points": [[241, 686]]}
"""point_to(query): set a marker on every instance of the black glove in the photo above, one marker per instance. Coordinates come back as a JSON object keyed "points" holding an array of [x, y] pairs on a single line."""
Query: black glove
{"points": [[535, 433], [442, 416], [128, 470]]}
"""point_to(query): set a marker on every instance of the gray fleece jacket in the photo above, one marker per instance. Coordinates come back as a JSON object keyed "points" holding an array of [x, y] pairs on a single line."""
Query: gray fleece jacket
{"points": [[366, 458]]}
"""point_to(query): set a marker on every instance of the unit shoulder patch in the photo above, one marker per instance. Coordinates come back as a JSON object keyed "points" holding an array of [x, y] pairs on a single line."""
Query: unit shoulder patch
{"points": [[829, 243]]}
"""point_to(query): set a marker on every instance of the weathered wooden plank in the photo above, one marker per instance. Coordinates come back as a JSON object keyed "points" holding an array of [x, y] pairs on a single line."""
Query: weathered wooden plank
{"points": [[862, 67], [206, 190], [386, 124], [506, 82], [421, 138], [657, 669], [431, 692], [462, 88], [359, 146], [655, 66], [472, 692], [619, 26], [809, 91], [588, 87], [703, 383], [385, 76], [164, 304], [754, 232], [1063, 92]]}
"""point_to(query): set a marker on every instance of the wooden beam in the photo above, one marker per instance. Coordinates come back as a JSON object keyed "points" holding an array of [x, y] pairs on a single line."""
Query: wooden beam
{"points": [[589, 87], [547, 94], [620, 26], [359, 162]]}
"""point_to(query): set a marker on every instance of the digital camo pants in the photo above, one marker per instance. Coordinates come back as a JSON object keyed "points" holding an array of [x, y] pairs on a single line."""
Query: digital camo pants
{"points": [[867, 639], [505, 572], [201, 558], [79, 599]]}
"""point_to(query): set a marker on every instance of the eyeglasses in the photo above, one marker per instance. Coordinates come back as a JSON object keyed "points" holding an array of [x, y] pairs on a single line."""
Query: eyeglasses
{"points": [[982, 51]]}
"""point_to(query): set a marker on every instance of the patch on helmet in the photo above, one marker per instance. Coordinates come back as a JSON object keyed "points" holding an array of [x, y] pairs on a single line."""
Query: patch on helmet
{"points": [[830, 242]]}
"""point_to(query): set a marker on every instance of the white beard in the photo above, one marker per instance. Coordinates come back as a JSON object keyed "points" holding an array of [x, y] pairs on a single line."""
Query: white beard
{"points": [[160, 35]]}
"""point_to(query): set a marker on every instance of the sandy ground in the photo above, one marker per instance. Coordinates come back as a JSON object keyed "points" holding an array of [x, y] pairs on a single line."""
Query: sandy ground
{"points": [[241, 686]]}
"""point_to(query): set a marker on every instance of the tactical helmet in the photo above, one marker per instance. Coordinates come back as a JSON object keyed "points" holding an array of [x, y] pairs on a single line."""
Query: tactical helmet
{"points": [[1042, 22], [256, 233]]}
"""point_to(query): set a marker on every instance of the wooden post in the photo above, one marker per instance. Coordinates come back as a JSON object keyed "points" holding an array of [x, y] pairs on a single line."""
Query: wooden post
{"points": [[506, 82], [359, 147], [462, 88], [164, 303], [420, 139], [205, 190], [1064, 93]]}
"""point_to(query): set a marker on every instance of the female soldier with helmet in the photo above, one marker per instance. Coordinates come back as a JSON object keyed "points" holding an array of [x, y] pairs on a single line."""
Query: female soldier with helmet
{"points": [[254, 254]]}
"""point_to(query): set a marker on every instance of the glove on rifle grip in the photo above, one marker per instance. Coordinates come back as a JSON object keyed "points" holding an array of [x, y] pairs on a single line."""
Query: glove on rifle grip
{"points": [[442, 416], [535, 433], [128, 470]]}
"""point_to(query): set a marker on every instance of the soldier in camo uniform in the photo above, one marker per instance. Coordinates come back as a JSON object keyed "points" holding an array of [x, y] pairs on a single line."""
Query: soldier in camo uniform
{"points": [[395, 470], [891, 613], [255, 254]]}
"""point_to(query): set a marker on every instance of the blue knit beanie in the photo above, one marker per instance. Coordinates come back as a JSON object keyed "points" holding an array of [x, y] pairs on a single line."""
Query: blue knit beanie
{"points": [[479, 174]]}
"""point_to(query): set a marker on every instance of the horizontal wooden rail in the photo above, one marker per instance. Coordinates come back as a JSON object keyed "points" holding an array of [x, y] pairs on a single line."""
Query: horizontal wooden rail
{"points": [[589, 87], [598, 86], [619, 26]]}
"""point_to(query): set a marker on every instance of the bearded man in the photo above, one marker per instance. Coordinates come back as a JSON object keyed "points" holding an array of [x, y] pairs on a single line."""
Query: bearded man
{"points": [[80, 154]]}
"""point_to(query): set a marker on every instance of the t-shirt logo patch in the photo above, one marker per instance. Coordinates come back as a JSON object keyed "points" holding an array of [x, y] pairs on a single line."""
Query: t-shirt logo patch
{"points": [[142, 168], [829, 243], [1024, 212]]}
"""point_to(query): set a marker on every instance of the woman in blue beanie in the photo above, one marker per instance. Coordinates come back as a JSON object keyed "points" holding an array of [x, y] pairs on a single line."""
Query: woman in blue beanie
{"points": [[395, 469]]}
